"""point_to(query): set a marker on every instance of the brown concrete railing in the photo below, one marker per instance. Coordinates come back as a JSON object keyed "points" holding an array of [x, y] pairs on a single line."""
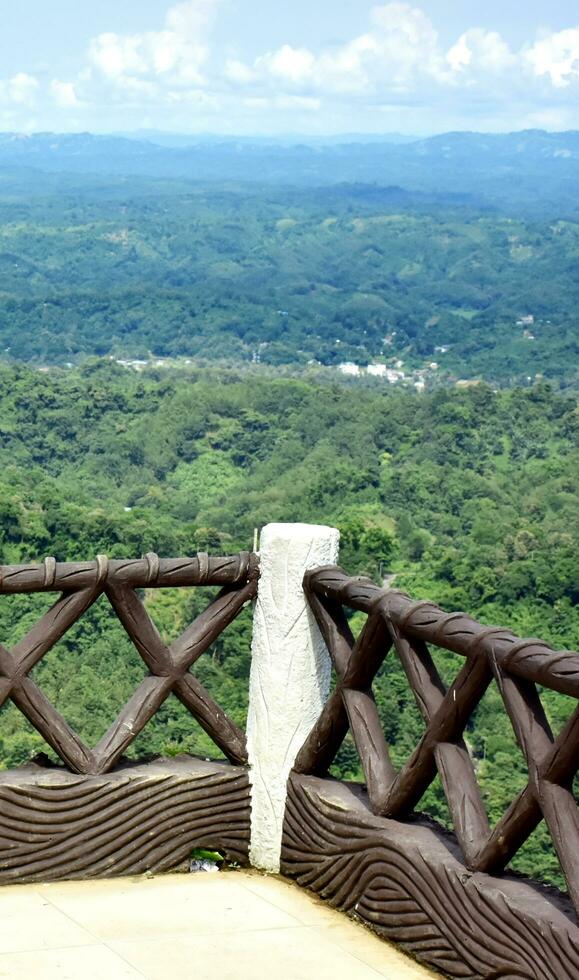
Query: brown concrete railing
{"points": [[492, 655], [101, 814], [80, 584]]}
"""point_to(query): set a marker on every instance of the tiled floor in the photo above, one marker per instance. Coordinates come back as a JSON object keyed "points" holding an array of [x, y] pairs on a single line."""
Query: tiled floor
{"points": [[229, 926]]}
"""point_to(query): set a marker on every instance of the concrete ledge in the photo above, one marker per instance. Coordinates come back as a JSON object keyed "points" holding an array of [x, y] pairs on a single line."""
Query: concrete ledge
{"points": [[142, 817], [406, 880]]}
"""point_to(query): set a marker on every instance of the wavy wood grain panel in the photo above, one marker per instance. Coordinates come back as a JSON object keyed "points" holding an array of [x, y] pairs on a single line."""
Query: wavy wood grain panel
{"points": [[146, 817], [407, 882]]}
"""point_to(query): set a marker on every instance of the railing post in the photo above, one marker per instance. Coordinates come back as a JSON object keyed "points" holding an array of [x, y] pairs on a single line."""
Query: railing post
{"points": [[290, 674]]}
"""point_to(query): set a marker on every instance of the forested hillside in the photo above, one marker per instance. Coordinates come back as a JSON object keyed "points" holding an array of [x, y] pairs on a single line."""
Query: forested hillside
{"points": [[469, 497], [425, 282]]}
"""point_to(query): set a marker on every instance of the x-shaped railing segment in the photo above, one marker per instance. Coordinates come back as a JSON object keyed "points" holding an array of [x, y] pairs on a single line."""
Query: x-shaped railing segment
{"points": [[15, 683], [552, 762], [352, 705], [552, 765], [168, 666]]}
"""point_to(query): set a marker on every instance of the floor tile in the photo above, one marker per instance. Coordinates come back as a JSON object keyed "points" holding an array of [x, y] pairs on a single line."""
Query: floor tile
{"points": [[285, 954], [336, 927], [82, 963], [37, 926], [190, 904], [16, 898], [360, 942], [299, 903]]}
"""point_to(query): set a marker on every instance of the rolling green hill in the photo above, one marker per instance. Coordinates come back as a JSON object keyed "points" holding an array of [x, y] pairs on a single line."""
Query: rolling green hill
{"points": [[288, 277]]}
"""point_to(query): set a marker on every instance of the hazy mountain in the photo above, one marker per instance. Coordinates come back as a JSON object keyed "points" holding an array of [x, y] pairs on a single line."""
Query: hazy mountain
{"points": [[526, 167], [162, 138]]}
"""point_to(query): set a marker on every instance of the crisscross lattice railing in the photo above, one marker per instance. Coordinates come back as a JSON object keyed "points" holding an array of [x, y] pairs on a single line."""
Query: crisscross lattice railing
{"points": [[517, 666], [81, 583]]}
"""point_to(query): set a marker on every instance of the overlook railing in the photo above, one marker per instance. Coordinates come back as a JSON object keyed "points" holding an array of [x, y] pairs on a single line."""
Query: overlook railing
{"points": [[81, 583], [446, 899], [492, 654], [102, 815]]}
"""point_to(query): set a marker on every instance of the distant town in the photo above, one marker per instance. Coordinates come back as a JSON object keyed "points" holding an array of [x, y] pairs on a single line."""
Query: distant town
{"points": [[393, 371]]}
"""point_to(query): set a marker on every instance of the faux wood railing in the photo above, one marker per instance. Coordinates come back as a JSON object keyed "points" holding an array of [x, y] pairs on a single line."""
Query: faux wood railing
{"points": [[81, 583], [177, 793], [492, 654], [447, 899]]}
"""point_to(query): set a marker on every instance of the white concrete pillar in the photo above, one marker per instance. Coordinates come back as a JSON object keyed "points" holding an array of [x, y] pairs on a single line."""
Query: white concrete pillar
{"points": [[290, 674]]}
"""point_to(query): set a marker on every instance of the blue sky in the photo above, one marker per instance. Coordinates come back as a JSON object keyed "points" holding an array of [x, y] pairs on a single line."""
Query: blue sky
{"points": [[305, 66]]}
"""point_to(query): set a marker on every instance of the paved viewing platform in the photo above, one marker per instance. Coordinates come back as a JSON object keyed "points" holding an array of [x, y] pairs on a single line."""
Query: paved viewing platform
{"points": [[236, 925]]}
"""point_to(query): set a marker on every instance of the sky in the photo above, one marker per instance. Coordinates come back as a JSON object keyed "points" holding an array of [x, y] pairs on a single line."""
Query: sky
{"points": [[261, 67]]}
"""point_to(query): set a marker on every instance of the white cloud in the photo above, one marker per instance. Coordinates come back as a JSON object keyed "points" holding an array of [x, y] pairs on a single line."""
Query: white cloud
{"points": [[557, 56], [405, 43], [293, 65], [401, 53], [400, 59], [116, 56], [177, 52], [64, 93], [398, 67], [481, 51], [21, 89], [238, 72], [401, 48]]}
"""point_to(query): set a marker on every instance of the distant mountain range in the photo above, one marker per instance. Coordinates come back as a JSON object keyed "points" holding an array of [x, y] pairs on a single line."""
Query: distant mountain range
{"points": [[458, 251], [289, 139], [526, 167]]}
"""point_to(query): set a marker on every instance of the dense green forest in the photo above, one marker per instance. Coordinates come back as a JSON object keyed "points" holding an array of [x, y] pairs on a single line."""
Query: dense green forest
{"points": [[142, 268], [468, 496]]}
